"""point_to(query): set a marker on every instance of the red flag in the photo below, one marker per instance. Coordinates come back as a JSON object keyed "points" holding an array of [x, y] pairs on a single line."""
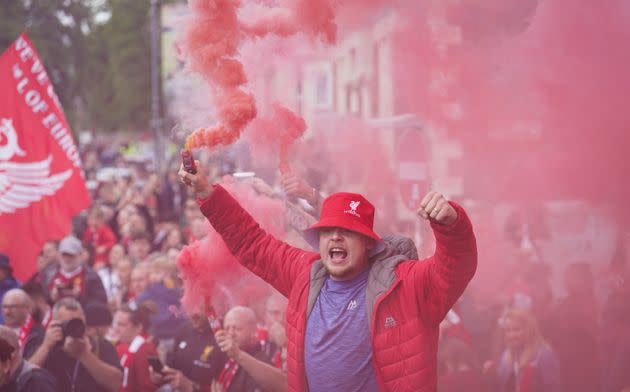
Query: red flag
{"points": [[41, 183]]}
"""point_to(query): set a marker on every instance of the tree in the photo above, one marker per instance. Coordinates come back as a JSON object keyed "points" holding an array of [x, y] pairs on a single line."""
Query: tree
{"points": [[100, 71], [57, 28], [127, 37], [99, 93]]}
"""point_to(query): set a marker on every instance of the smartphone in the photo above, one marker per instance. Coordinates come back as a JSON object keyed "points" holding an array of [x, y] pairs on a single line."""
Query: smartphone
{"points": [[156, 364]]}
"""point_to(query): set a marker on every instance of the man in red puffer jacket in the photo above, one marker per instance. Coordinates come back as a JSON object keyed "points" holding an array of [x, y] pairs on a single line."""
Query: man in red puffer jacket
{"points": [[361, 317]]}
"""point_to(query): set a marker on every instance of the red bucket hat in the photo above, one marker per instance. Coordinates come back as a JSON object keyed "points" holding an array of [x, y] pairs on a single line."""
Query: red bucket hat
{"points": [[350, 211]]}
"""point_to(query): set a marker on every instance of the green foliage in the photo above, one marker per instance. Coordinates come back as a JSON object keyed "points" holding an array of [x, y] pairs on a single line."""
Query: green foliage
{"points": [[99, 92], [101, 72], [128, 45], [55, 27]]}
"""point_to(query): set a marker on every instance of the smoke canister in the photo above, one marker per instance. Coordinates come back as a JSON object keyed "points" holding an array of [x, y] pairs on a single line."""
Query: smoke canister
{"points": [[188, 161]]}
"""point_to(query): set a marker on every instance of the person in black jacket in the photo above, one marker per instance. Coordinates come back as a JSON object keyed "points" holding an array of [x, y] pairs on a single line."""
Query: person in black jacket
{"points": [[196, 358], [73, 278], [17, 375], [78, 362]]}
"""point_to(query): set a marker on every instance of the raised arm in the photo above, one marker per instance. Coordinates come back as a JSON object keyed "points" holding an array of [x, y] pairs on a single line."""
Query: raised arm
{"points": [[268, 377], [442, 278], [275, 261]]}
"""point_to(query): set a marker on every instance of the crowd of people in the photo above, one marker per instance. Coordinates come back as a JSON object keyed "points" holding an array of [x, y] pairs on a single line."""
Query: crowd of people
{"points": [[103, 310]]}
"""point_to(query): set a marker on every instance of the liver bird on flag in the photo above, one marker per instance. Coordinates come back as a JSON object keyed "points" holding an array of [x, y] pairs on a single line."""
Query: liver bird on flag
{"points": [[41, 186], [22, 183]]}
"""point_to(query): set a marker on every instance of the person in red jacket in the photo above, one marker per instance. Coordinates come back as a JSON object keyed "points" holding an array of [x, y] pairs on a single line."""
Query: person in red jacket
{"points": [[361, 317], [99, 237]]}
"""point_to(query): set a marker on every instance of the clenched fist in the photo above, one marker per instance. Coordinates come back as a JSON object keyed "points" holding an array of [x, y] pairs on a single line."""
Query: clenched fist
{"points": [[296, 186], [197, 182], [227, 344], [435, 207]]}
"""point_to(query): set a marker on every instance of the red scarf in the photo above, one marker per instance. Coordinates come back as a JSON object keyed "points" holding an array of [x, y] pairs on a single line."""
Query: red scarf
{"points": [[127, 359], [213, 319], [129, 296], [47, 317], [262, 333], [277, 358], [526, 379], [69, 282], [231, 367], [25, 329], [227, 374]]}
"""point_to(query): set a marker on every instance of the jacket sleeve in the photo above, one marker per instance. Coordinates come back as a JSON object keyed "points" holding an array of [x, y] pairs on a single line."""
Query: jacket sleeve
{"points": [[274, 261], [38, 380], [95, 289], [441, 279]]}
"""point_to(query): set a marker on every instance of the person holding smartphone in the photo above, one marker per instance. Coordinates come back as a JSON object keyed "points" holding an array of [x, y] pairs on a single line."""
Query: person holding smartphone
{"points": [[131, 325], [195, 360]]}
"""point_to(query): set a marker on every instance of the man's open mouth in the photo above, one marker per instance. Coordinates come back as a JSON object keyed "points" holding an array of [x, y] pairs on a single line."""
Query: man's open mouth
{"points": [[337, 254]]}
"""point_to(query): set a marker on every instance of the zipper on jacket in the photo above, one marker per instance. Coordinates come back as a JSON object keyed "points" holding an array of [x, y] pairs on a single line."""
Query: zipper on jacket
{"points": [[377, 372]]}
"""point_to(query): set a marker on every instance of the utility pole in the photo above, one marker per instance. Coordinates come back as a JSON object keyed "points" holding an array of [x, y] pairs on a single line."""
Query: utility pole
{"points": [[156, 83]]}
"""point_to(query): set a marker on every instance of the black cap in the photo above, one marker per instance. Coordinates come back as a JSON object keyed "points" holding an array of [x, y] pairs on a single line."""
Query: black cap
{"points": [[97, 314]]}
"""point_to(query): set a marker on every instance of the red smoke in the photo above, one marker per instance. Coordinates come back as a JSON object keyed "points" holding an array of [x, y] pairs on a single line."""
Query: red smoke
{"points": [[208, 268], [541, 86], [533, 93], [313, 17], [277, 132], [211, 43], [550, 75], [212, 40], [277, 22]]}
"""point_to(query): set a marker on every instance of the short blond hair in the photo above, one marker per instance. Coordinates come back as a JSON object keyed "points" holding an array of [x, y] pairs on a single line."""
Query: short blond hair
{"points": [[533, 338]]}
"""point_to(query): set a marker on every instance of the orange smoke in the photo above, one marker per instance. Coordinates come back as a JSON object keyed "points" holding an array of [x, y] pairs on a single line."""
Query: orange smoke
{"points": [[211, 42]]}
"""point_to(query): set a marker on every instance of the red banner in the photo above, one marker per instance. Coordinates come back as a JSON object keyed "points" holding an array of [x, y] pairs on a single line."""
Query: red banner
{"points": [[41, 183]]}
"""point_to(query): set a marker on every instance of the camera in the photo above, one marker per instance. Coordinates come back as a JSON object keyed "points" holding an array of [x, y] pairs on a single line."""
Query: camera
{"points": [[74, 327]]}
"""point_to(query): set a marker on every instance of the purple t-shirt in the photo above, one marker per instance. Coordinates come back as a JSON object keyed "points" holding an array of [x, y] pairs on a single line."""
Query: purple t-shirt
{"points": [[337, 349]]}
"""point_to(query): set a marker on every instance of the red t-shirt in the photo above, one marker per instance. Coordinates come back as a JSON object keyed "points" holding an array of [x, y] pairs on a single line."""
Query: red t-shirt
{"points": [[136, 369]]}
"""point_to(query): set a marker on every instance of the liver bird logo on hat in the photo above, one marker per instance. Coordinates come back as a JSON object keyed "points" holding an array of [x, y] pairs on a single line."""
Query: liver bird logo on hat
{"points": [[22, 183], [353, 208]]}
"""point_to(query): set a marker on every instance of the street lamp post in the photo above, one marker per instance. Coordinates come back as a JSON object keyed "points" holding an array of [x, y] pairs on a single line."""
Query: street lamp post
{"points": [[156, 85]]}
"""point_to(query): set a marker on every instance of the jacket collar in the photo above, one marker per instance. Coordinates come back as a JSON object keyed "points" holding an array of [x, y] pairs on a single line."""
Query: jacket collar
{"points": [[382, 274]]}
